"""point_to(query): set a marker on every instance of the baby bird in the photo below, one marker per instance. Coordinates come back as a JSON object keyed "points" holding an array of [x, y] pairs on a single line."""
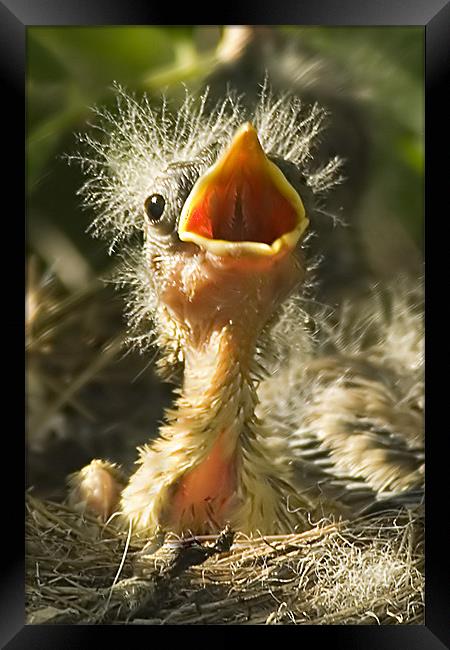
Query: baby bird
{"points": [[270, 428]]}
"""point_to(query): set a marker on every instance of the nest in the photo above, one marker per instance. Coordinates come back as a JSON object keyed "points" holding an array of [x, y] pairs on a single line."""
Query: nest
{"points": [[368, 571]]}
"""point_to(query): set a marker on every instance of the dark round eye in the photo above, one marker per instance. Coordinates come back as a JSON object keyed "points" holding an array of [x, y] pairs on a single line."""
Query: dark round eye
{"points": [[154, 207]]}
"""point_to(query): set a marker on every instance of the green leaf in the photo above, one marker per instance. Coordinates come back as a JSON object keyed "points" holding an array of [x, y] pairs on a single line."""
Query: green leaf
{"points": [[100, 55]]}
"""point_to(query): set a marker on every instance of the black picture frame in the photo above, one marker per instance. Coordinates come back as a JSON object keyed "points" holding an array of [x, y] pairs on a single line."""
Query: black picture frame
{"points": [[434, 15]]}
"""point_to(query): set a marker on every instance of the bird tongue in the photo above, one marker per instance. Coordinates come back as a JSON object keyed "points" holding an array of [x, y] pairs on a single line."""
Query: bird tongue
{"points": [[243, 201]]}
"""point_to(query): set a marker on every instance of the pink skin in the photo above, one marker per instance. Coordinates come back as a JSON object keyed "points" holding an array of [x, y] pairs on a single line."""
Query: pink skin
{"points": [[205, 292]]}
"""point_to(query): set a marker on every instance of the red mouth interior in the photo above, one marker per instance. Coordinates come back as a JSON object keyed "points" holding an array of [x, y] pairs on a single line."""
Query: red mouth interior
{"points": [[248, 209]]}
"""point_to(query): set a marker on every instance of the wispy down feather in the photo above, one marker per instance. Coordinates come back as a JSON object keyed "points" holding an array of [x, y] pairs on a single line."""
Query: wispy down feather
{"points": [[136, 144]]}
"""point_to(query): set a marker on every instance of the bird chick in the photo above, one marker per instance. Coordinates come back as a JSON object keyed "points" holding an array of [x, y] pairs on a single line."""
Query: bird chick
{"points": [[223, 200]]}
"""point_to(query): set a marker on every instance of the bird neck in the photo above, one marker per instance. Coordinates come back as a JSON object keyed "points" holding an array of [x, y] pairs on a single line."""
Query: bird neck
{"points": [[213, 463], [218, 385], [232, 470], [217, 402]]}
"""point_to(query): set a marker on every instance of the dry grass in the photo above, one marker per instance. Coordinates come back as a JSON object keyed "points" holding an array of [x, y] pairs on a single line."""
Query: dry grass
{"points": [[368, 571]]}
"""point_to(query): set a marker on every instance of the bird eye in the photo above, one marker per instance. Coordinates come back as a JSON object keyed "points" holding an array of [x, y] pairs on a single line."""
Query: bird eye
{"points": [[154, 207]]}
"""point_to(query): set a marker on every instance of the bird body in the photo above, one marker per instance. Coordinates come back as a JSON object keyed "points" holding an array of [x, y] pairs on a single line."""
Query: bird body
{"points": [[213, 463], [224, 204]]}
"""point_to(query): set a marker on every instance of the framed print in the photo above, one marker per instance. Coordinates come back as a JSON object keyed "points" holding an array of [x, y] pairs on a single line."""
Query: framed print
{"points": [[225, 235]]}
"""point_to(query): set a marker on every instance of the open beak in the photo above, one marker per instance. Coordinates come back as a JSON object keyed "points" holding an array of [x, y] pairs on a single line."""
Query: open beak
{"points": [[243, 204]]}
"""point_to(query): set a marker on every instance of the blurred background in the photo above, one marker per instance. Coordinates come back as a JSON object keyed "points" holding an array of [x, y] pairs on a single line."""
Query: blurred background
{"points": [[87, 396]]}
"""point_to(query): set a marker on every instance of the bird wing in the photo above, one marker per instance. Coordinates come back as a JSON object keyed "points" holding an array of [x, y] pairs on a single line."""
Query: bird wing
{"points": [[352, 413]]}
